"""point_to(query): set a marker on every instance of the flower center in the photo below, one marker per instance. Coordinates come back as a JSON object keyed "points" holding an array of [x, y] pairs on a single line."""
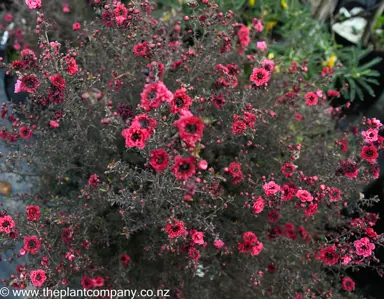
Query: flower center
{"points": [[152, 95], [369, 153], [184, 167], [32, 244], [179, 102], [30, 83], [135, 136], [6, 224], [191, 128]]}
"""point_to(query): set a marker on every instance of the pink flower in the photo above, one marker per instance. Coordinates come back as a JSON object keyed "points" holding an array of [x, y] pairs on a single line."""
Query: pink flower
{"points": [[6, 224], [371, 135], [271, 188], [38, 277], [364, 247], [8, 17], [257, 25], [304, 195], [218, 243], [298, 116], [258, 206], [94, 180], [18, 86], [72, 66], [260, 76], [33, 4], [98, 281], [197, 237], [311, 98], [268, 65], [154, 94], [261, 45], [257, 249], [66, 8], [311, 210], [76, 27], [202, 164], [345, 260], [53, 124]]}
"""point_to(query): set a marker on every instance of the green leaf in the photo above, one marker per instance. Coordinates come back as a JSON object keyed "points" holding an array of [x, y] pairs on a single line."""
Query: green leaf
{"points": [[363, 53], [369, 64], [352, 87], [360, 94], [240, 4], [367, 88], [370, 80], [373, 74]]}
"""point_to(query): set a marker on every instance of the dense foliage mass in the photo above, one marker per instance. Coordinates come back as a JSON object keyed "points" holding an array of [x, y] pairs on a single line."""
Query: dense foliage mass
{"points": [[173, 156]]}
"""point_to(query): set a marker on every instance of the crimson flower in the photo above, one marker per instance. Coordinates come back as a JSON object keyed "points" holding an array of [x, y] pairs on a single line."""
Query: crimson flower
{"points": [[25, 132], [260, 76], [190, 129], [364, 247], [33, 213], [154, 94], [347, 284], [369, 153], [144, 122], [87, 282], [175, 229], [124, 259], [135, 136], [184, 168], [38, 277], [29, 83], [329, 256], [57, 81], [159, 159], [6, 224], [311, 98], [194, 253], [32, 244], [180, 101]]}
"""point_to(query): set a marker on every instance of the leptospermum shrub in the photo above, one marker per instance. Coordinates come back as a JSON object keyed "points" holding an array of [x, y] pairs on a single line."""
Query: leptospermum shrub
{"points": [[172, 157]]}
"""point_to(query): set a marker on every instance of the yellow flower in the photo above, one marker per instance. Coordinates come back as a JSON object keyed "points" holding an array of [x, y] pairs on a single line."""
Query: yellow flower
{"points": [[5, 188], [271, 56], [331, 61], [277, 69], [284, 4], [167, 17], [252, 3], [270, 25]]}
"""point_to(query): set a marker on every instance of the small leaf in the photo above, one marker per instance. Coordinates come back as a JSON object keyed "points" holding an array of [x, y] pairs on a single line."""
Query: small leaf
{"points": [[370, 80], [352, 86], [367, 88], [371, 63]]}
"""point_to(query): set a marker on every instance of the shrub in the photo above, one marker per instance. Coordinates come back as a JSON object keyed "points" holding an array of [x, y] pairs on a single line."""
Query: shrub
{"points": [[172, 156]]}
